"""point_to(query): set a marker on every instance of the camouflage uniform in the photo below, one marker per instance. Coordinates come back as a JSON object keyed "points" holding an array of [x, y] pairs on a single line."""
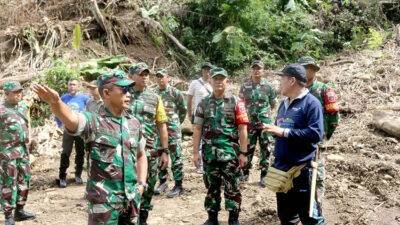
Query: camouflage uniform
{"points": [[321, 92], [14, 154], [148, 108], [175, 107], [259, 99], [328, 98], [111, 188], [93, 105], [220, 147]]}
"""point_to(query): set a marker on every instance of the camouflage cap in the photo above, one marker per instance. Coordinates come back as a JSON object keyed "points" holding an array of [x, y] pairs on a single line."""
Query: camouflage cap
{"points": [[207, 64], [116, 77], [218, 71], [258, 63], [162, 72], [138, 68], [308, 61], [12, 86], [92, 84]]}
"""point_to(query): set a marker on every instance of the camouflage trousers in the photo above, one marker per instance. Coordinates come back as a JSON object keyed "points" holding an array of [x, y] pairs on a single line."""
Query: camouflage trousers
{"points": [[175, 153], [15, 176], [263, 139], [215, 174], [152, 170], [124, 213]]}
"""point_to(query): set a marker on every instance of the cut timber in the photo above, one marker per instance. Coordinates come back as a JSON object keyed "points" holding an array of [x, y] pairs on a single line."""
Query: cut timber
{"points": [[341, 62], [387, 122]]}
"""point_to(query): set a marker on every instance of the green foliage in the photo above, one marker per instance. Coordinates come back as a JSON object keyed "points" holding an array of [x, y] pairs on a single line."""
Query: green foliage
{"points": [[76, 37], [39, 111], [230, 33], [248, 29], [112, 62], [58, 75], [375, 38], [55, 77], [232, 46]]}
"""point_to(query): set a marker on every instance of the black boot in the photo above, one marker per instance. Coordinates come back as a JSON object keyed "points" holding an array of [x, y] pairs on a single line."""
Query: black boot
{"points": [[176, 190], [143, 215], [212, 218], [9, 220], [161, 188], [233, 217], [21, 214], [262, 179]]}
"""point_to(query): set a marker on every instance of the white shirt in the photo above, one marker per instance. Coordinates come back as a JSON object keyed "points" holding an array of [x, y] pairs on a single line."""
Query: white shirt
{"points": [[198, 91], [287, 102]]}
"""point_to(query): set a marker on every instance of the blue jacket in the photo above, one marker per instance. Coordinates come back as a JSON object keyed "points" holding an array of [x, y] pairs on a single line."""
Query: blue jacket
{"points": [[304, 128], [76, 103]]}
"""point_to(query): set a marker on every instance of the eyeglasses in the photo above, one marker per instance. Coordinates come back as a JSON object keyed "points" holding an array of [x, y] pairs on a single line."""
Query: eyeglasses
{"points": [[125, 89]]}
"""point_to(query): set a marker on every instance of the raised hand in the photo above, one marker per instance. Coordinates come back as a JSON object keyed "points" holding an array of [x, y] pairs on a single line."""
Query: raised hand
{"points": [[46, 94]]}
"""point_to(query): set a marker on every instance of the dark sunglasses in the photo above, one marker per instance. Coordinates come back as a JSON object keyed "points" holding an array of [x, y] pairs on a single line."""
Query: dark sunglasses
{"points": [[125, 89]]}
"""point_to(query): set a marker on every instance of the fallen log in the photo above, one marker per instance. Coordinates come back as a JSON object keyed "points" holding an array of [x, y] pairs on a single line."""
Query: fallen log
{"points": [[105, 25], [156, 25], [387, 122]]}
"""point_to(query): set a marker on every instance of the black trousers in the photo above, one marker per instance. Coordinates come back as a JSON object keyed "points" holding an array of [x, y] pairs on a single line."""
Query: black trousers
{"points": [[293, 206], [67, 145]]}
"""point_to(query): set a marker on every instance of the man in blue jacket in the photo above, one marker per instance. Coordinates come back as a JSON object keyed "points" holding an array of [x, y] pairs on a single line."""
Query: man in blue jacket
{"points": [[76, 102], [298, 128]]}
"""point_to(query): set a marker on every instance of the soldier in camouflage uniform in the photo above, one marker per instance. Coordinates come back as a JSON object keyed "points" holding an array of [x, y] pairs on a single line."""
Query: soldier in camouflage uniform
{"points": [[148, 108], [14, 153], [118, 165], [260, 98], [175, 107], [220, 122], [329, 101], [94, 103]]}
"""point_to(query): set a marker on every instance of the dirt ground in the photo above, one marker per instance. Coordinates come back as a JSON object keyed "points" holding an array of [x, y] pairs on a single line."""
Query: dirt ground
{"points": [[363, 163], [346, 202]]}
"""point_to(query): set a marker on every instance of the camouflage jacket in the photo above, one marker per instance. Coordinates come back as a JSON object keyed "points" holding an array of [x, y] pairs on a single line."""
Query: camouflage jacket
{"points": [[328, 99], [175, 108], [148, 108], [259, 99], [220, 119], [14, 130], [113, 146], [93, 106]]}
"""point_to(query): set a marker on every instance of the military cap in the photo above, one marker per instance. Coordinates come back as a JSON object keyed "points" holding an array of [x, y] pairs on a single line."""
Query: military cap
{"points": [[139, 68], [308, 61], [294, 70], [218, 71], [258, 63], [116, 77], [12, 86], [92, 84], [162, 72], [207, 64]]}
